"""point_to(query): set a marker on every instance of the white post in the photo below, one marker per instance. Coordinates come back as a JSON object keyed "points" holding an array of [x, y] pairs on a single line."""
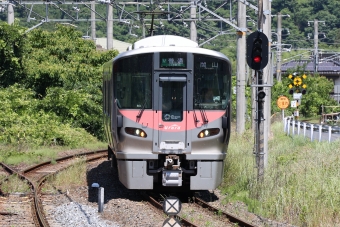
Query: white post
{"points": [[285, 124], [311, 132], [320, 132], [304, 129], [293, 127], [298, 128], [288, 123], [100, 199], [329, 133]]}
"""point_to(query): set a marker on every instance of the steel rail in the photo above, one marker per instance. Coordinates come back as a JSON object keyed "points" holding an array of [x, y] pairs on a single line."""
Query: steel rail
{"points": [[231, 217], [40, 182], [35, 215], [31, 168], [159, 206], [37, 210]]}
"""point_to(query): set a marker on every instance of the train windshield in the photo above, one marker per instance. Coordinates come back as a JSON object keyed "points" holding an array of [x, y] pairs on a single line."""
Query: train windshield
{"points": [[172, 100], [132, 82], [211, 83]]}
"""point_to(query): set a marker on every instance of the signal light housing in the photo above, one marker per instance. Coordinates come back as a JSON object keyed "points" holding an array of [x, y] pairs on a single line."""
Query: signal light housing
{"points": [[291, 91], [261, 95], [257, 50]]}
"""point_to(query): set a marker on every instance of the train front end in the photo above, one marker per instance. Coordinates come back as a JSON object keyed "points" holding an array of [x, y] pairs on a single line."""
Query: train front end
{"points": [[167, 114]]}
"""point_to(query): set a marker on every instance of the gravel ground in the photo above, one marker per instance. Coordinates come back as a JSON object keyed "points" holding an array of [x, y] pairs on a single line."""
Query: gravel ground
{"points": [[123, 207], [76, 214]]}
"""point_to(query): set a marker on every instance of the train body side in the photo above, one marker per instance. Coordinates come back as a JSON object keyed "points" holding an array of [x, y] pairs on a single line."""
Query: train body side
{"points": [[161, 129]]}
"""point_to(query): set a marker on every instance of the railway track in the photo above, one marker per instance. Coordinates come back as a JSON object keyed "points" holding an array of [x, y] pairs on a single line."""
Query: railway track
{"points": [[210, 214], [33, 208], [28, 209]]}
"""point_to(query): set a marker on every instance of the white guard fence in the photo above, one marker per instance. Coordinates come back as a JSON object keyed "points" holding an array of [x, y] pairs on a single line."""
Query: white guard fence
{"points": [[316, 132]]}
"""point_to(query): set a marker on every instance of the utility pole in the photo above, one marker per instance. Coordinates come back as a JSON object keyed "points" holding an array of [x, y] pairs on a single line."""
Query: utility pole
{"points": [[241, 72], [316, 41], [193, 31], [109, 27], [278, 46], [316, 46], [93, 21], [259, 131], [267, 80], [10, 14]]}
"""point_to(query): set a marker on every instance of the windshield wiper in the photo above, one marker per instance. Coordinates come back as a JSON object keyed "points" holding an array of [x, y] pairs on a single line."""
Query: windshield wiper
{"points": [[203, 113], [140, 113]]}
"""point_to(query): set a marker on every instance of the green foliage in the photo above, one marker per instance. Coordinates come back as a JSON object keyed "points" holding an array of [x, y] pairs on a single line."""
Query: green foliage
{"points": [[59, 95], [318, 89], [12, 51], [65, 71], [22, 122]]}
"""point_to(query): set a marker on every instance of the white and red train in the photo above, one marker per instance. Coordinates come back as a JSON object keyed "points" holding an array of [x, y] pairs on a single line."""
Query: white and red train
{"points": [[166, 106]]}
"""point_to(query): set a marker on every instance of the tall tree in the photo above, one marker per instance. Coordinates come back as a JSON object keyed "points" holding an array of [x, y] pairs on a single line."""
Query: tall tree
{"points": [[12, 51]]}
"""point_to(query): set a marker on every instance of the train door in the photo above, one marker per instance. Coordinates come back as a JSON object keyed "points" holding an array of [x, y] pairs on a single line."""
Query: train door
{"points": [[171, 117]]}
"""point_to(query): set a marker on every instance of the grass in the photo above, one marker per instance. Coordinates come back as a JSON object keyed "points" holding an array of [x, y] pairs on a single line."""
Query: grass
{"points": [[73, 176], [13, 155], [301, 183], [15, 184]]}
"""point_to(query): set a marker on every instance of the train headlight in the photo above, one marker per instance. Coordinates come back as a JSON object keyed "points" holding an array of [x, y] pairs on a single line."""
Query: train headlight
{"points": [[208, 132], [135, 132]]}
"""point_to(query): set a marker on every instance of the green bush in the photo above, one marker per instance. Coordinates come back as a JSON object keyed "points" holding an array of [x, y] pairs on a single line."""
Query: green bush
{"points": [[22, 122]]}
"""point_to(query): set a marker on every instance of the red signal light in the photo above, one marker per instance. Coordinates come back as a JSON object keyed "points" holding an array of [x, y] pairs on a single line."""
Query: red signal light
{"points": [[257, 59]]}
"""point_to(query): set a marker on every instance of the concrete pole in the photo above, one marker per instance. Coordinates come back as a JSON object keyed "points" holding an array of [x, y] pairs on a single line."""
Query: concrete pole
{"points": [[316, 41], [259, 131], [10, 14], [279, 47], [109, 28], [267, 80], [93, 22], [241, 69], [193, 31]]}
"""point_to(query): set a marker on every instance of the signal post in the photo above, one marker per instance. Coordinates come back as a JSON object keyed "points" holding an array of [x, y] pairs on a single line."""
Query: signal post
{"points": [[257, 59]]}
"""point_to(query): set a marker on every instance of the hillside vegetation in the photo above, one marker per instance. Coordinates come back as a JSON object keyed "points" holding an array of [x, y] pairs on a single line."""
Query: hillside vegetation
{"points": [[50, 84]]}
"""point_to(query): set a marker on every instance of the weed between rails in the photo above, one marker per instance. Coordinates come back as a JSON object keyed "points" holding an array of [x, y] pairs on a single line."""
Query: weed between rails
{"points": [[73, 176], [15, 184]]}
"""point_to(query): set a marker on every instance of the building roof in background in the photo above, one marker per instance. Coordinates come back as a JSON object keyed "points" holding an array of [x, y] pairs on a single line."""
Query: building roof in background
{"points": [[117, 45], [327, 67]]}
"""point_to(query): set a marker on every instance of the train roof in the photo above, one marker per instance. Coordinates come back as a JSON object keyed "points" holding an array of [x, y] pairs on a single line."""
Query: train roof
{"points": [[164, 41], [167, 43]]}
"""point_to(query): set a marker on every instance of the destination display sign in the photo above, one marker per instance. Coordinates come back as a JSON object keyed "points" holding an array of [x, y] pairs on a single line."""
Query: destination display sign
{"points": [[173, 60]]}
